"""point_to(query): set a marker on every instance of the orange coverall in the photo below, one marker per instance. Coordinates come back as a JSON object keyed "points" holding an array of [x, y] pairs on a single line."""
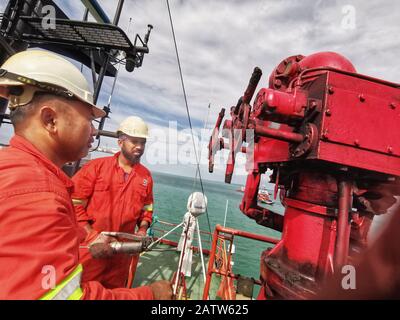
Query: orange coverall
{"points": [[38, 227], [115, 202]]}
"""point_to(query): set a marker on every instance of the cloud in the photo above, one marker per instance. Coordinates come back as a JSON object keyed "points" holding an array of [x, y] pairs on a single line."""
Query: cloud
{"points": [[220, 42]]}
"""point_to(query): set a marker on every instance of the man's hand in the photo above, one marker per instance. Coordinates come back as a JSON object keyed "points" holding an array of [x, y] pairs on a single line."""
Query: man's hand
{"points": [[162, 290], [143, 229], [377, 197]]}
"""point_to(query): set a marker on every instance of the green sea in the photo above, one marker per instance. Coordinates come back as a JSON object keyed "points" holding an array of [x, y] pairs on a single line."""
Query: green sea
{"points": [[170, 199]]}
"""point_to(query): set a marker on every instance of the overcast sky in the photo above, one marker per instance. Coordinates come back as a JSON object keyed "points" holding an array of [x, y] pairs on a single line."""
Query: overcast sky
{"points": [[220, 42]]}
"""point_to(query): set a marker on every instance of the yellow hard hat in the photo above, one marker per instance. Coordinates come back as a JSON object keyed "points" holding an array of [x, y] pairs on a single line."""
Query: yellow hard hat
{"points": [[135, 127], [39, 70]]}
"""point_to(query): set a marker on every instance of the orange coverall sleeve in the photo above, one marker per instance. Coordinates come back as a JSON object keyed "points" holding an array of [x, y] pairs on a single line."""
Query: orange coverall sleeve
{"points": [[147, 213], [84, 182], [41, 231], [93, 290]]}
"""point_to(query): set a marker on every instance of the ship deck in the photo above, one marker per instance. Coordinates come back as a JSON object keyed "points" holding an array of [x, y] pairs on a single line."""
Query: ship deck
{"points": [[161, 265]]}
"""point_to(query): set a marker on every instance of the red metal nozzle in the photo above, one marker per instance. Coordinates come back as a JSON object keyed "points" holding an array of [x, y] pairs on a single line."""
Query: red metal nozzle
{"points": [[252, 86]]}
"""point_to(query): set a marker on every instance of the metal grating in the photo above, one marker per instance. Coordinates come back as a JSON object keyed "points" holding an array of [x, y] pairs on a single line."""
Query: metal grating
{"points": [[86, 34]]}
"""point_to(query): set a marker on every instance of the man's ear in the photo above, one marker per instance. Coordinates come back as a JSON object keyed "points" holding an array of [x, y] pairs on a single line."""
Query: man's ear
{"points": [[119, 143], [48, 117]]}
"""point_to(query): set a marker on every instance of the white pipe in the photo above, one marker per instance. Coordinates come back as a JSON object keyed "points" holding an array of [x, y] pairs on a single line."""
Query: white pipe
{"points": [[226, 211], [201, 251], [178, 274]]}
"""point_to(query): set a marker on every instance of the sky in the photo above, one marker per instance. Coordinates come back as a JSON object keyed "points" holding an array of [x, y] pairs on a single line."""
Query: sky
{"points": [[220, 43]]}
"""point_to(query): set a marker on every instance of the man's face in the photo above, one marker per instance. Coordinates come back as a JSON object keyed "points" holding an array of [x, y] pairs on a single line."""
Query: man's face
{"points": [[76, 130], [132, 148]]}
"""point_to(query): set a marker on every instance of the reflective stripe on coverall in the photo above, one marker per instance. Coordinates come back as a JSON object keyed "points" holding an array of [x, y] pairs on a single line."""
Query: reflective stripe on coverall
{"points": [[39, 229], [113, 203]]}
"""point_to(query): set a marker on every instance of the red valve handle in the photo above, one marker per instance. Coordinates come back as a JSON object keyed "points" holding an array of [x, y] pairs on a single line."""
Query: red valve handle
{"points": [[215, 142]]}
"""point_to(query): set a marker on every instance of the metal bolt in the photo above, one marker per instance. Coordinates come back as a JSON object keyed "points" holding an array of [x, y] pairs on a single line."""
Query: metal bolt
{"points": [[361, 97], [390, 149], [325, 134], [392, 105], [357, 142], [330, 90], [328, 112], [277, 83]]}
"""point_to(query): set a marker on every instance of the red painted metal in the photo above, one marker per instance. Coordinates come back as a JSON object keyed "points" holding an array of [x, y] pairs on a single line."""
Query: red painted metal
{"points": [[343, 234], [212, 268], [219, 230], [211, 262], [278, 134], [321, 128], [245, 234]]}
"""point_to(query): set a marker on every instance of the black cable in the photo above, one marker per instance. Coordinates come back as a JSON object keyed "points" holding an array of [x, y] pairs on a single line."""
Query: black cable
{"points": [[188, 113], [98, 144]]}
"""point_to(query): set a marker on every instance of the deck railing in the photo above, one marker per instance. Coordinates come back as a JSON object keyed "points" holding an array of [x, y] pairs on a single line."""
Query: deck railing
{"points": [[228, 234]]}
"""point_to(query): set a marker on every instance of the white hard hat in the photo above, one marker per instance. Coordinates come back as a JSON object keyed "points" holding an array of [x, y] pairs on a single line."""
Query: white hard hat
{"points": [[197, 203], [45, 71], [135, 127]]}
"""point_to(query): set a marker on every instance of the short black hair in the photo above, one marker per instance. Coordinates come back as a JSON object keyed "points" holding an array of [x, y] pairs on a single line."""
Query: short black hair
{"points": [[21, 113]]}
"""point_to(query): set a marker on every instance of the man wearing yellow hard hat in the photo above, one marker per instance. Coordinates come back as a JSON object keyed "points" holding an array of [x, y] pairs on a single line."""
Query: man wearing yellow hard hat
{"points": [[115, 194], [51, 109]]}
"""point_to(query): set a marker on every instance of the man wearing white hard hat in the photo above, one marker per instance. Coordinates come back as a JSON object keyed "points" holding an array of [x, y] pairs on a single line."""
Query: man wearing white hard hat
{"points": [[51, 109], [115, 194]]}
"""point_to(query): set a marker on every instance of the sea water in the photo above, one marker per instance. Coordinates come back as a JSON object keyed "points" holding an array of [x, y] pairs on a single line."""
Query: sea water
{"points": [[171, 193]]}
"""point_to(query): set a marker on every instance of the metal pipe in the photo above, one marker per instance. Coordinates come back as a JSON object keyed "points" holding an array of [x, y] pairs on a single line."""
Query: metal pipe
{"points": [[245, 234], [93, 68], [178, 275], [342, 239], [201, 250], [107, 58], [118, 12], [106, 133], [279, 134], [211, 261], [234, 276], [96, 11]]}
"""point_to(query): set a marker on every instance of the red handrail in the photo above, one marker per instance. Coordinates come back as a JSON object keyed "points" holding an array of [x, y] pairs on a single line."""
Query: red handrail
{"points": [[211, 262]]}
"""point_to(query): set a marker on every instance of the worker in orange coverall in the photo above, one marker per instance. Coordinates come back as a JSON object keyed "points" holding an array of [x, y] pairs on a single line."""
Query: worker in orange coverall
{"points": [[115, 194], [51, 109]]}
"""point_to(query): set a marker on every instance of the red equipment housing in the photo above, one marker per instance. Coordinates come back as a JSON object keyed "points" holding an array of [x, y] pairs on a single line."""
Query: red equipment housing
{"points": [[326, 132]]}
